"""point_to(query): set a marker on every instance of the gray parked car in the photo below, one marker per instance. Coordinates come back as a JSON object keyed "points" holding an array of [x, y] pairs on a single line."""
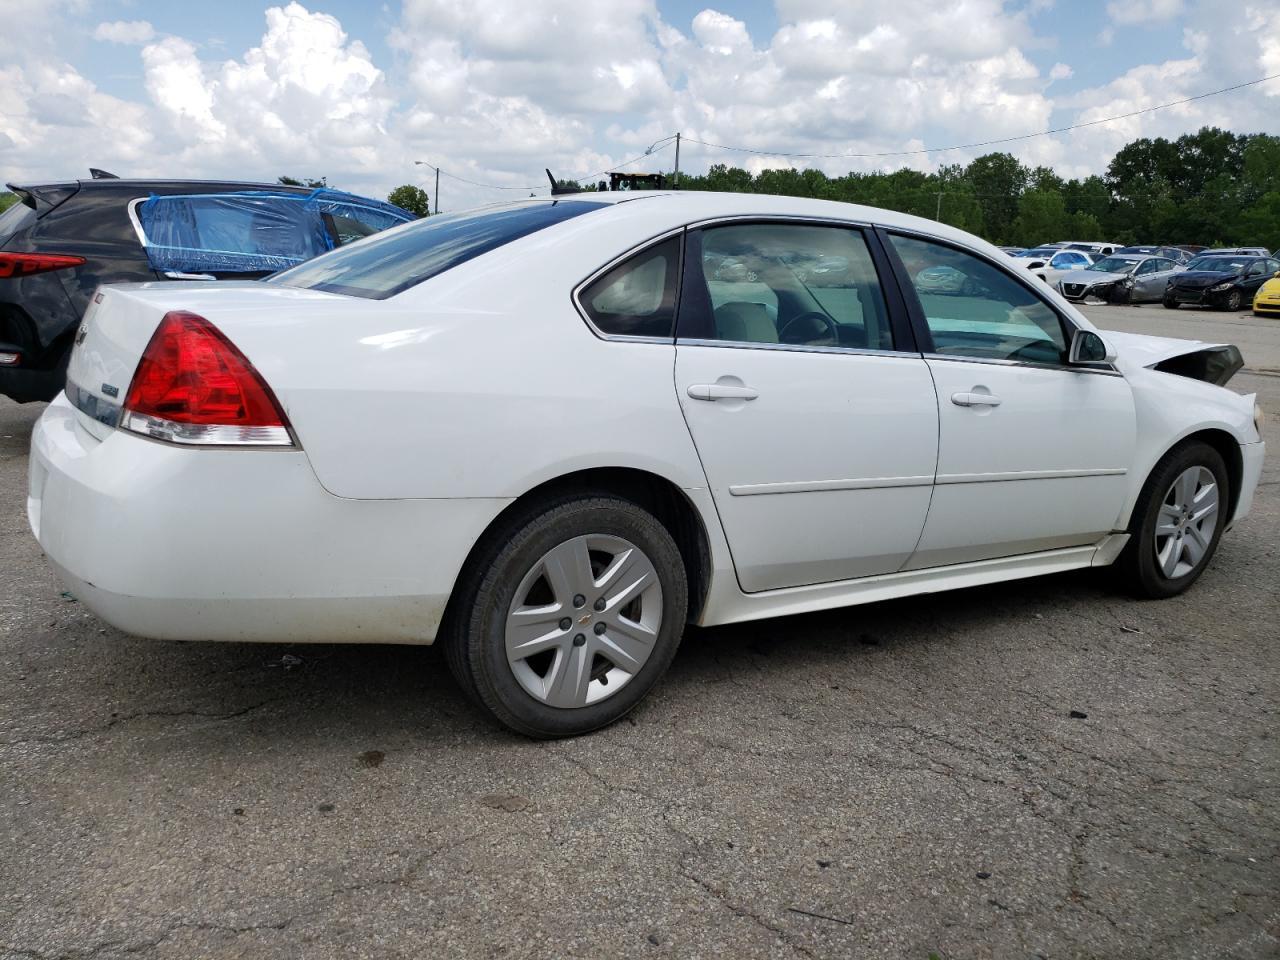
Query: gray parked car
{"points": [[1121, 278]]}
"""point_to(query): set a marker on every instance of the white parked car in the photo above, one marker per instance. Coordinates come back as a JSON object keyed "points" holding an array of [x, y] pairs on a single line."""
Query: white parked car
{"points": [[1053, 268], [550, 434]]}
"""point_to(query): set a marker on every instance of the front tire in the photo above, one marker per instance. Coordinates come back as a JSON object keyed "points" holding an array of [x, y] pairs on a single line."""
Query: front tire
{"points": [[569, 615], [1233, 302], [1170, 303], [1177, 522]]}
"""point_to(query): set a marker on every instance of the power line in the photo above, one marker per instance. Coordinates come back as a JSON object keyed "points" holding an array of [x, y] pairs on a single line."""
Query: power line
{"points": [[983, 143]]}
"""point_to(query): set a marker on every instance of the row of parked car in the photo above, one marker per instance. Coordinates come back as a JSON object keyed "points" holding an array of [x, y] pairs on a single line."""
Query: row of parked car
{"points": [[1228, 278], [63, 240]]}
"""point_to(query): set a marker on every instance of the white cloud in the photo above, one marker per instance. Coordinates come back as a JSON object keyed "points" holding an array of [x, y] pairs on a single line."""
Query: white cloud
{"points": [[494, 92], [125, 31], [1144, 11]]}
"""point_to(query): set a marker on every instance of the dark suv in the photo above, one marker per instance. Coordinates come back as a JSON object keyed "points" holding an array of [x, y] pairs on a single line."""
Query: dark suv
{"points": [[62, 240]]}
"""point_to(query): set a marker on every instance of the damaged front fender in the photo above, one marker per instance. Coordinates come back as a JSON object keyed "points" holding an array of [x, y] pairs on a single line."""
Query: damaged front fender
{"points": [[1214, 363]]}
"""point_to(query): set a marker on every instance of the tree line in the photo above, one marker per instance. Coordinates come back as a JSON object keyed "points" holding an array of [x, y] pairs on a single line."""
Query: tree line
{"points": [[1212, 187]]}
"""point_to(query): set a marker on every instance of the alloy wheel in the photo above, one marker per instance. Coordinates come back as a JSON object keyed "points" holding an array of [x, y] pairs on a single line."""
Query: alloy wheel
{"points": [[584, 621], [1186, 522]]}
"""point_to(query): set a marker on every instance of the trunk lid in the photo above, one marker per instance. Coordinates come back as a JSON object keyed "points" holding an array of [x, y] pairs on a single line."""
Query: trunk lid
{"points": [[119, 323]]}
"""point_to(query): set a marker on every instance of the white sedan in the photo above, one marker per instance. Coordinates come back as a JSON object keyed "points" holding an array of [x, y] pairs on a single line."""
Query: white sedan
{"points": [[550, 434], [1053, 268]]}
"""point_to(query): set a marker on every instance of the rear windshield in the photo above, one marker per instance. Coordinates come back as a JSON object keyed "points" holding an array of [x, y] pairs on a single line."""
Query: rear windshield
{"points": [[16, 218], [384, 265]]}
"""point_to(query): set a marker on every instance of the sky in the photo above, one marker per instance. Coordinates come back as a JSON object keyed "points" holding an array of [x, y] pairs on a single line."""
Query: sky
{"points": [[494, 91]]}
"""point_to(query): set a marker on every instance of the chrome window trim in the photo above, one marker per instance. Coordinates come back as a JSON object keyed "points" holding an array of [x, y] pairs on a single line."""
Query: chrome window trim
{"points": [[790, 219], [1105, 369], [575, 295], [795, 348], [132, 208]]}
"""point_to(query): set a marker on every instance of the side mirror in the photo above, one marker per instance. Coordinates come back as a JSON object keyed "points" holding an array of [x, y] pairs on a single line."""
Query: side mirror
{"points": [[1087, 347]]}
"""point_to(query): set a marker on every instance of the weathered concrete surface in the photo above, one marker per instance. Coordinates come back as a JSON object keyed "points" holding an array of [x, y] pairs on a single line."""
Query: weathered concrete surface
{"points": [[887, 781]]}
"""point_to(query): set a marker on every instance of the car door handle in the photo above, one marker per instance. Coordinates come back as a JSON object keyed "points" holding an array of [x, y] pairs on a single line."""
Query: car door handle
{"points": [[721, 391], [975, 400]]}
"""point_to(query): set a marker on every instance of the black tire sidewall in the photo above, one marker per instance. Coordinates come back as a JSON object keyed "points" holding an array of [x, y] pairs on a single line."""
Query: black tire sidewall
{"points": [[1145, 574], [484, 642]]}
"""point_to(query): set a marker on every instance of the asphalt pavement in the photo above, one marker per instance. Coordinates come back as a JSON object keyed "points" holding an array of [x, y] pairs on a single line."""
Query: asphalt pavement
{"points": [[1038, 769]]}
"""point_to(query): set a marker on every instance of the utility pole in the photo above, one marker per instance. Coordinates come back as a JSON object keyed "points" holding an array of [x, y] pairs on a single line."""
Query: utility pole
{"points": [[675, 177], [423, 163], [937, 215]]}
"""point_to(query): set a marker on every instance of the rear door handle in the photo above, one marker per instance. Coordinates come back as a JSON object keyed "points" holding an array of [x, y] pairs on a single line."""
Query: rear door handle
{"points": [[975, 400], [721, 391]]}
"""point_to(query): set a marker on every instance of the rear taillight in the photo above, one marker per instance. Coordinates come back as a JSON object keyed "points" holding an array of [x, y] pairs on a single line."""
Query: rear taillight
{"points": [[25, 264], [194, 386]]}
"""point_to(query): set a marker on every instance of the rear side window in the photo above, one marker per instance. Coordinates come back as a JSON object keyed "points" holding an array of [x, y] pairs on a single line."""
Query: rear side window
{"points": [[637, 298], [17, 217], [390, 263], [255, 231], [229, 233]]}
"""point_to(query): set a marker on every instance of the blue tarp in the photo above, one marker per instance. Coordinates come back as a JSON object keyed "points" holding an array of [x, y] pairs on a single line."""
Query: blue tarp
{"points": [[255, 231]]}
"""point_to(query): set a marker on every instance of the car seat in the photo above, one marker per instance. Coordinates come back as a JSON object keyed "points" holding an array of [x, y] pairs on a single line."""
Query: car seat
{"points": [[745, 322]]}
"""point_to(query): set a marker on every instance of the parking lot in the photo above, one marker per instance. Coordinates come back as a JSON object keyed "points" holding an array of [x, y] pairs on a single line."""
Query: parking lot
{"points": [[1041, 768]]}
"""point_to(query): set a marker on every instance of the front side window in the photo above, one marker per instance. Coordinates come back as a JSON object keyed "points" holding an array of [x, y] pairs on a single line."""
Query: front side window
{"points": [[386, 264], [983, 312], [775, 283], [637, 298]]}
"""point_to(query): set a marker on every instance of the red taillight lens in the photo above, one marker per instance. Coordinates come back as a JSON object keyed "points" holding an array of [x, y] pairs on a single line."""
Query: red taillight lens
{"points": [[25, 264], [193, 385]]}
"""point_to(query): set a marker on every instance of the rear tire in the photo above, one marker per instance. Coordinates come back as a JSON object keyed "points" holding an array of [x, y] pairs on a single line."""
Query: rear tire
{"points": [[1177, 522], [568, 615]]}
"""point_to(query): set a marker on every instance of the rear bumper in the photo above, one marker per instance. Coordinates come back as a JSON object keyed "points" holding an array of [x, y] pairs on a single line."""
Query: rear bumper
{"points": [[165, 542], [26, 385]]}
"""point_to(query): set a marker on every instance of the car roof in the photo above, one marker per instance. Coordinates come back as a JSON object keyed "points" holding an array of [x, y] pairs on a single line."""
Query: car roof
{"points": [[682, 207], [140, 183]]}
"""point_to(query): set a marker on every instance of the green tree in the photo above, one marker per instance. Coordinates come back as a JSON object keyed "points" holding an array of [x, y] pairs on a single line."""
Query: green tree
{"points": [[998, 180], [411, 198], [7, 200], [1042, 218]]}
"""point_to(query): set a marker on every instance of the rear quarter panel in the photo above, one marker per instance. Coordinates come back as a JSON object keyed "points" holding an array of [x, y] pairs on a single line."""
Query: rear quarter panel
{"points": [[481, 382]]}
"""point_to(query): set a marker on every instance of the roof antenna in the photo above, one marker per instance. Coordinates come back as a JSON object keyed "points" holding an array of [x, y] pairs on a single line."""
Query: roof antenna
{"points": [[101, 174], [557, 190]]}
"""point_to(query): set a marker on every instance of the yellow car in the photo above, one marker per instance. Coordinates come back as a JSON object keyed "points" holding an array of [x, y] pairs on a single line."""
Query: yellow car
{"points": [[1266, 302]]}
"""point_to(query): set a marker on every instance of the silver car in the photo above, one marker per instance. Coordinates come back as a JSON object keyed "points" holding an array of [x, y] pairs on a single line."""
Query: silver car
{"points": [[1120, 278]]}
